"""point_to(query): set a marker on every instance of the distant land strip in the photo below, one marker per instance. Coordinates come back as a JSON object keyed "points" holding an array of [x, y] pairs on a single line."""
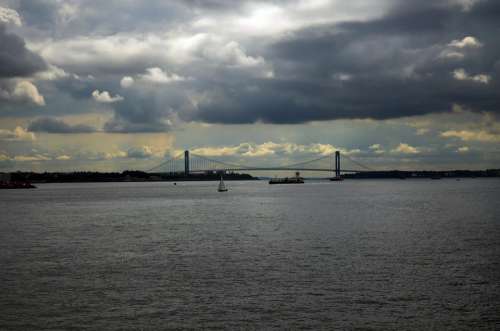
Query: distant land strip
{"points": [[140, 176]]}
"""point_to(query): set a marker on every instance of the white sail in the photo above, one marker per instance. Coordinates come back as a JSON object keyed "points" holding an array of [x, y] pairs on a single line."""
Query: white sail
{"points": [[222, 187]]}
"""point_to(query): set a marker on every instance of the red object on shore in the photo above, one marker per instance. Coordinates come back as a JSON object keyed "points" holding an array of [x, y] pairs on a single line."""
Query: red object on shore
{"points": [[16, 185]]}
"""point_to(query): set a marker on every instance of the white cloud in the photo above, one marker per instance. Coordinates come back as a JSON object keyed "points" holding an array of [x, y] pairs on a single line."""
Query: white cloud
{"points": [[377, 149], [481, 78], [31, 158], [4, 157], [26, 90], [117, 51], [422, 131], [52, 73], [21, 91], [211, 47], [463, 149], [127, 82], [342, 77], [263, 19], [448, 54], [105, 97], [272, 148], [465, 4], [472, 135], [18, 134], [268, 148], [114, 155], [467, 42], [157, 75], [457, 49], [8, 15], [461, 74], [142, 152], [218, 151], [123, 51], [231, 53], [266, 18], [405, 149], [68, 12]]}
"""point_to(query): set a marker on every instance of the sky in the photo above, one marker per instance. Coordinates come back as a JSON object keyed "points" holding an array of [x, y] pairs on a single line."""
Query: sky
{"points": [[125, 84]]}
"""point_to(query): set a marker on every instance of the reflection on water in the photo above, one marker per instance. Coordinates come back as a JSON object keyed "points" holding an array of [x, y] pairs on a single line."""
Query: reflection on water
{"points": [[415, 254]]}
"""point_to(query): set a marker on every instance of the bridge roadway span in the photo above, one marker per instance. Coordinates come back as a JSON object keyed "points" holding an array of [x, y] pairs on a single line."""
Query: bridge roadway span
{"points": [[203, 164], [275, 169]]}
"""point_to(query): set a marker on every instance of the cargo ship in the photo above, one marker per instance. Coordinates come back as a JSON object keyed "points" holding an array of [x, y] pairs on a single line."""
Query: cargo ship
{"points": [[288, 180]]}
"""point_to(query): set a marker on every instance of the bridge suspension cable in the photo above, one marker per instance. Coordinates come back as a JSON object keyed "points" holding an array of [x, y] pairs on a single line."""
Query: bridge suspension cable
{"points": [[169, 163], [304, 164], [184, 163], [226, 164], [358, 163]]}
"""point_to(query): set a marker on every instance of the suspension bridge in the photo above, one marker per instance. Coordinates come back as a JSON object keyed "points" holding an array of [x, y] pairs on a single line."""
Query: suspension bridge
{"points": [[187, 163]]}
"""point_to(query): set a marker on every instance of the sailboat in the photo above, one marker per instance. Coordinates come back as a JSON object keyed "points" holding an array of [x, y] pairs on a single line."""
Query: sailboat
{"points": [[222, 187]]}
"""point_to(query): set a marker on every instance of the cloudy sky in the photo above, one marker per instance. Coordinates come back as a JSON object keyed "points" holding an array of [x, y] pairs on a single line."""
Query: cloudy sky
{"points": [[124, 84]]}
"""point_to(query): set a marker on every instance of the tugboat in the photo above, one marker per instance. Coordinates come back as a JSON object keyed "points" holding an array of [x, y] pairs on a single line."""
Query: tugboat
{"points": [[16, 185], [288, 180], [7, 183], [336, 179]]}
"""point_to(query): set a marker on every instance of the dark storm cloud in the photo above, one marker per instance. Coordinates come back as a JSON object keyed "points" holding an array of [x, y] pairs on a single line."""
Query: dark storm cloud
{"points": [[15, 59], [212, 4], [138, 115], [52, 125], [285, 102], [96, 17], [384, 68], [40, 13], [122, 125], [148, 110], [227, 5]]}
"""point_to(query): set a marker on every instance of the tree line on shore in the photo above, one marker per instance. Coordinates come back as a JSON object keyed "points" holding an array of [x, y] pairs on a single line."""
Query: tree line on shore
{"points": [[135, 175]]}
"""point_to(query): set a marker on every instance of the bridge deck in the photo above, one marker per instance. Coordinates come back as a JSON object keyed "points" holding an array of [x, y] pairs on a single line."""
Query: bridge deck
{"points": [[287, 169], [274, 169], [198, 163]]}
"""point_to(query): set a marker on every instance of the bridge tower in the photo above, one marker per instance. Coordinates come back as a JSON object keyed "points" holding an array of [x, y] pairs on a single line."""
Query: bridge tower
{"points": [[337, 164], [186, 163]]}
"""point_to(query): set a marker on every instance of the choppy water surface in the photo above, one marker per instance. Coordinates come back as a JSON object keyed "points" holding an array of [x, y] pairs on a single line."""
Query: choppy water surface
{"points": [[414, 254]]}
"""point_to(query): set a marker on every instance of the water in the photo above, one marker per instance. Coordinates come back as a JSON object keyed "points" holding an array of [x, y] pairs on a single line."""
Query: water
{"points": [[414, 254]]}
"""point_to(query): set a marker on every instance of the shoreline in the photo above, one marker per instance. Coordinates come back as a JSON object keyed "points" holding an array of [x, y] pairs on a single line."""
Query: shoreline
{"points": [[139, 176]]}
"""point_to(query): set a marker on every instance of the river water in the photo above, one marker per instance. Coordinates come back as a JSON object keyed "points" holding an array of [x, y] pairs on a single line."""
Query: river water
{"points": [[386, 254]]}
